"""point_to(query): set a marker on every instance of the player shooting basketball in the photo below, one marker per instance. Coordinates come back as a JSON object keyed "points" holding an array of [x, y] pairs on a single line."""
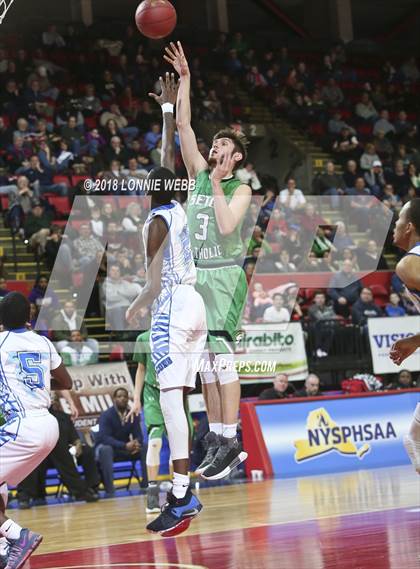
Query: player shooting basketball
{"points": [[216, 209], [407, 237]]}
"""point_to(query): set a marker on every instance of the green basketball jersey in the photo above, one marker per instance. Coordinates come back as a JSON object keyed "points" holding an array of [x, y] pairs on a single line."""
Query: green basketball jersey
{"points": [[142, 355], [207, 244]]}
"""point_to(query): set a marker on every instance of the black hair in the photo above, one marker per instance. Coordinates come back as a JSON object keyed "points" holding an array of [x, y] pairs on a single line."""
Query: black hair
{"points": [[413, 214], [240, 143], [14, 310], [117, 390], [39, 277], [158, 186]]}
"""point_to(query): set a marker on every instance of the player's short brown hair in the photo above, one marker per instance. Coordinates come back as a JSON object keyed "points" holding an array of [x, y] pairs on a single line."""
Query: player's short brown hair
{"points": [[239, 140]]}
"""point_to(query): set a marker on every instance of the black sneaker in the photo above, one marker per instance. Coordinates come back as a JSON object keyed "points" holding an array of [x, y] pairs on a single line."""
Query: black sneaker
{"points": [[228, 457], [176, 515], [211, 443]]}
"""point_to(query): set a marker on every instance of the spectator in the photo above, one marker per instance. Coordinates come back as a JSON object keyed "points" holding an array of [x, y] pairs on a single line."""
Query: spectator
{"points": [[384, 124], [344, 289], [404, 380], [51, 38], [394, 307], [119, 294], [86, 246], [283, 264], [399, 178], [90, 104], [44, 297], [383, 145], [118, 439], [276, 312], [72, 135], [248, 175], [281, 388], [115, 152], [391, 199], [132, 220], [321, 243], [37, 227], [321, 316], [375, 179], [96, 223], [152, 137], [364, 308], [346, 145], [58, 255], [342, 239], [332, 93], [40, 326], [311, 387], [348, 254], [336, 124], [351, 173], [20, 203], [371, 256], [41, 177], [77, 353], [330, 183], [114, 113], [414, 176], [291, 198], [67, 320], [365, 109], [369, 157], [402, 125], [360, 204]]}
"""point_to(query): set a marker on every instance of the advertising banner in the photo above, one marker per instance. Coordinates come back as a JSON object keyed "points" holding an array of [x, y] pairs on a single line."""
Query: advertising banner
{"points": [[93, 386], [333, 435], [383, 332], [267, 349]]}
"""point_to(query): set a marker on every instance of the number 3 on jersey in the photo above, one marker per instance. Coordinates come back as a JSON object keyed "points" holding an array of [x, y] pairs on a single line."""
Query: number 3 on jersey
{"points": [[31, 373], [202, 234]]}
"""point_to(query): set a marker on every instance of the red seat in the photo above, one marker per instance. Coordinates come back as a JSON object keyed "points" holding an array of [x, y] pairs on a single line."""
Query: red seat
{"points": [[19, 286], [117, 353], [76, 179], [77, 279], [4, 202], [61, 205], [61, 180], [380, 294]]}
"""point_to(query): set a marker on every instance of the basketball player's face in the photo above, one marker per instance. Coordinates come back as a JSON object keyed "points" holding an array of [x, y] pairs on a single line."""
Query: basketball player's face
{"points": [[221, 146], [402, 229]]}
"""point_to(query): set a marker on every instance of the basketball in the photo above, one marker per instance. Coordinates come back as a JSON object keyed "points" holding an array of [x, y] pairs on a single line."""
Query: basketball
{"points": [[156, 19]]}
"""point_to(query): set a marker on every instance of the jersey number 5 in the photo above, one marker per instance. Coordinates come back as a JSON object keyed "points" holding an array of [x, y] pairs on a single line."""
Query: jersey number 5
{"points": [[202, 235], [33, 374]]}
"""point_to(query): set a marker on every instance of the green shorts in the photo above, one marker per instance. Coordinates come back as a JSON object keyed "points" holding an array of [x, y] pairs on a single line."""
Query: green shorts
{"points": [[224, 291], [153, 417]]}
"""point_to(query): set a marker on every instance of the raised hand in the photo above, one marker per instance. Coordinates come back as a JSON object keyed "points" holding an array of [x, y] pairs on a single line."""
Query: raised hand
{"points": [[176, 57], [169, 90], [401, 349], [224, 167]]}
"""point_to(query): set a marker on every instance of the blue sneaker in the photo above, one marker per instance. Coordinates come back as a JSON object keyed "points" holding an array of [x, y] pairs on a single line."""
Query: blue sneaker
{"points": [[176, 515], [22, 548]]}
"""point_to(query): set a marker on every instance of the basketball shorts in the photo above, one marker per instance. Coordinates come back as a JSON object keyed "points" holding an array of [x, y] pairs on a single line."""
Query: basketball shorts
{"points": [[24, 443], [224, 291], [178, 336]]}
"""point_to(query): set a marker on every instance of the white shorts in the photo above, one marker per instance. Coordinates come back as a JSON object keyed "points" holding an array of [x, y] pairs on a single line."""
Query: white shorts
{"points": [[178, 336], [24, 443]]}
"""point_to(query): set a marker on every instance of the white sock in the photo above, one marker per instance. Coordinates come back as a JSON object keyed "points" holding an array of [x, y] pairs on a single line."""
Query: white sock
{"points": [[4, 546], [181, 483], [10, 529], [229, 431], [216, 428]]}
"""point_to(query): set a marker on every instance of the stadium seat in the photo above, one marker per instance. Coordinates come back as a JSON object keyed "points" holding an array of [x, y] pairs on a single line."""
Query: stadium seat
{"points": [[61, 205], [61, 180], [76, 179], [380, 294]]}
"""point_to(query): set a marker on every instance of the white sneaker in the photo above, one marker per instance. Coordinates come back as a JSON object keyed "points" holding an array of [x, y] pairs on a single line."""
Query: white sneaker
{"points": [[413, 450]]}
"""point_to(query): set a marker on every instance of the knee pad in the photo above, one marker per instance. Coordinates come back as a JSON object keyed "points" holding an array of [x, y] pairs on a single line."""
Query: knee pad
{"points": [[206, 365], [225, 367], [4, 493], [153, 452]]}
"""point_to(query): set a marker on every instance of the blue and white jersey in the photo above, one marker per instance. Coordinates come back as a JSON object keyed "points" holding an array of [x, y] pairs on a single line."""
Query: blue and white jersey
{"points": [[178, 263], [413, 293], [26, 361]]}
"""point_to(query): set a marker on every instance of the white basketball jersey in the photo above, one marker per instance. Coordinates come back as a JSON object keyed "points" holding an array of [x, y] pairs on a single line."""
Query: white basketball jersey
{"points": [[413, 293], [178, 263], [26, 361]]}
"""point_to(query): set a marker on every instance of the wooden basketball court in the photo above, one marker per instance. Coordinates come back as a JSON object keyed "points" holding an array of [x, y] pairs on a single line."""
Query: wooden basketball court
{"points": [[358, 520]]}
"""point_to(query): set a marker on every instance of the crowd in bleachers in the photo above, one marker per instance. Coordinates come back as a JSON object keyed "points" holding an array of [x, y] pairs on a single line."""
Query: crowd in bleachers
{"points": [[77, 106]]}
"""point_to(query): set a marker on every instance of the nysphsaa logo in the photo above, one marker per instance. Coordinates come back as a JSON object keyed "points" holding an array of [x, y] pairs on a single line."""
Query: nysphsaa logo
{"points": [[324, 436]]}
